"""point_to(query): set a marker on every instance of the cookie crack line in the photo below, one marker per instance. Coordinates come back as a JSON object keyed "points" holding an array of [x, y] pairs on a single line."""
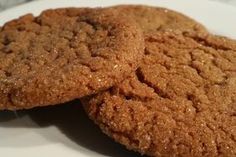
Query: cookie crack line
{"points": [[158, 91]]}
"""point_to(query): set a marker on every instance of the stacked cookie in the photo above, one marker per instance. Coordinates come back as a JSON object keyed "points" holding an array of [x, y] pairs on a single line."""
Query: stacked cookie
{"points": [[153, 79]]}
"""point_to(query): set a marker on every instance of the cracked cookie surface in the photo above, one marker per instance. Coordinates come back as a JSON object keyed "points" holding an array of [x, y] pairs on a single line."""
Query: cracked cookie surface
{"points": [[152, 19], [181, 101], [65, 54]]}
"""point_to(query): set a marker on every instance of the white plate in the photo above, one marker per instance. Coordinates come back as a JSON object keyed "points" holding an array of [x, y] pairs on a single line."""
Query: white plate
{"points": [[65, 130]]}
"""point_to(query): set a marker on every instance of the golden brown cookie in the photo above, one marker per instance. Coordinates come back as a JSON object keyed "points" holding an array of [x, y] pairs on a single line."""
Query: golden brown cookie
{"points": [[180, 102], [153, 19], [65, 54]]}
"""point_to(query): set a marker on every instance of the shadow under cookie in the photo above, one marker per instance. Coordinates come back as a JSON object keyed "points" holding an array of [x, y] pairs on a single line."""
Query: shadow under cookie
{"points": [[71, 120]]}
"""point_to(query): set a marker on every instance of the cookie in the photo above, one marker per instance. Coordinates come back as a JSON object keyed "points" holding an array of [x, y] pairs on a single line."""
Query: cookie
{"points": [[153, 19], [65, 54], [181, 101]]}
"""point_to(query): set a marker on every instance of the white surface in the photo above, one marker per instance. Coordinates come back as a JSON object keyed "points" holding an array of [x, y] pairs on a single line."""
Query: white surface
{"points": [[4, 4], [230, 2], [64, 130]]}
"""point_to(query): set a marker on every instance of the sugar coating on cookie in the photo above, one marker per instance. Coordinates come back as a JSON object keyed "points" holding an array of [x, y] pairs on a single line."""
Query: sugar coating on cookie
{"points": [[180, 102], [65, 54], [152, 19]]}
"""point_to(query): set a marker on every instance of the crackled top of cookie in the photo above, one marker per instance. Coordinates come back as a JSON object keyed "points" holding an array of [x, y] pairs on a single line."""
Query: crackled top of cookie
{"points": [[64, 54], [153, 19], [180, 102]]}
